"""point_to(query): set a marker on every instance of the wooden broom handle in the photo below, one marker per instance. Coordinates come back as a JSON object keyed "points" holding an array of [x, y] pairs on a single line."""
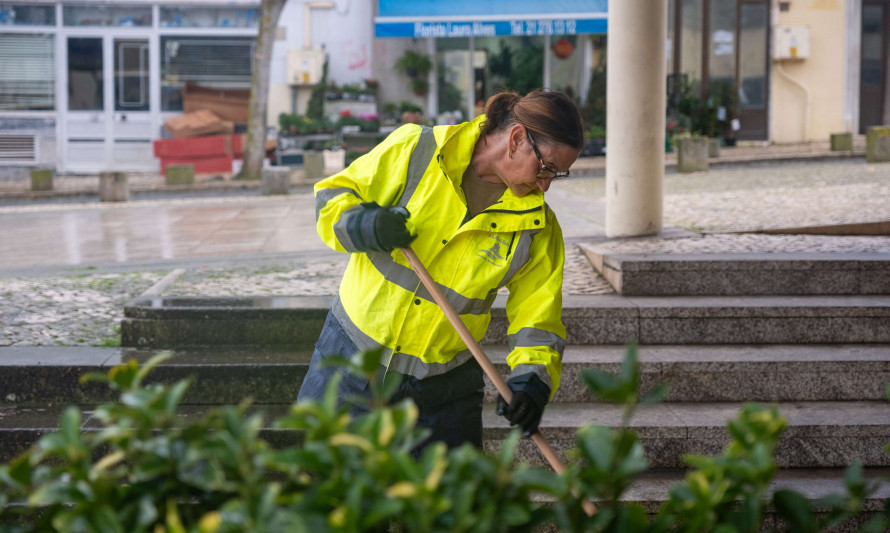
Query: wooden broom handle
{"points": [[483, 360]]}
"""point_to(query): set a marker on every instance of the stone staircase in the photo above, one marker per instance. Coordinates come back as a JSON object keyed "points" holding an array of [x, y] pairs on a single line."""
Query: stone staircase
{"points": [[809, 333]]}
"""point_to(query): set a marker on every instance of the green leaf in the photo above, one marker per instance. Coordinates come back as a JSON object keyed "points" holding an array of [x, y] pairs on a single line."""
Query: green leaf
{"points": [[655, 395], [539, 479], [630, 366], [606, 386], [148, 366], [18, 473], [104, 519], [796, 509]]}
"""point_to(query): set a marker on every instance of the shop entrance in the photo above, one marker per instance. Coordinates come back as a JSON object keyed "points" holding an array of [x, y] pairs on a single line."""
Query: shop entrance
{"points": [[873, 108], [108, 121]]}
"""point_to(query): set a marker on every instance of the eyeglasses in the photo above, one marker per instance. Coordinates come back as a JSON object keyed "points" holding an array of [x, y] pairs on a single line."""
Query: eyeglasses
{"points": [[545, 173]]}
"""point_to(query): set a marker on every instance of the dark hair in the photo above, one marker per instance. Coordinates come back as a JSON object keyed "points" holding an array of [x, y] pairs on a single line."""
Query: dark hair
{"points": [[551, 116]]}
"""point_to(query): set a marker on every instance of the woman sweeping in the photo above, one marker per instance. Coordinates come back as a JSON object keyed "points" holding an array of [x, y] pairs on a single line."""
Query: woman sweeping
{"points": [[469, 200]]}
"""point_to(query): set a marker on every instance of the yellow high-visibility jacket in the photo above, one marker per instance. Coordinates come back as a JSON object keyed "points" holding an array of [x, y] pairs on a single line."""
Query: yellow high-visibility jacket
{"points": [[516, 243]]}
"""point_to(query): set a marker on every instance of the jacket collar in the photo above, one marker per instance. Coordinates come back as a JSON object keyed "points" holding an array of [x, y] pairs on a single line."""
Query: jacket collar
{"points": [[456, 145]]}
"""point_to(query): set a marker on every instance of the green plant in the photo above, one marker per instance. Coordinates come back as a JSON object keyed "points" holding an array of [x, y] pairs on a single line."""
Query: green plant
{"points": [[390, 110], [406, 106], [594, 109], [147, 469], [315, 106], [413, 64], [596, 132]]}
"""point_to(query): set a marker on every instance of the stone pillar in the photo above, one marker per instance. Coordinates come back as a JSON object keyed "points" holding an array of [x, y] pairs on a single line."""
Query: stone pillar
{"points": [[113, 187], [42, 179], [276, 180], [635, 90]]}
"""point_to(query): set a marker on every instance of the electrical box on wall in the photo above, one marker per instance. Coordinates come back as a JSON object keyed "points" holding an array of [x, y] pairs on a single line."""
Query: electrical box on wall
{"points": [[304, 67], [792, 42]]}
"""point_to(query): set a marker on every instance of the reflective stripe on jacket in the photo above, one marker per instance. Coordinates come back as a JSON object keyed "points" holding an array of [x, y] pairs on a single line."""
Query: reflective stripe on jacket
{"points": [[515, 243]]}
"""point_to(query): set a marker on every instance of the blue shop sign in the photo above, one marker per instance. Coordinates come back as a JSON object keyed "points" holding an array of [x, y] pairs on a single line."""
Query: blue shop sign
{"points": [[472, 18]]}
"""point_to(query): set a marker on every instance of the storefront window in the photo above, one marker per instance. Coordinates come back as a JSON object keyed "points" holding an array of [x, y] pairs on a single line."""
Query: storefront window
{"points": [[566, 63], [27, 72], [204, 17], [453, 59], [753, 66], [107, 15], [671, 39], [25, 15], [691, 42], [723, 42], [222, 62]]}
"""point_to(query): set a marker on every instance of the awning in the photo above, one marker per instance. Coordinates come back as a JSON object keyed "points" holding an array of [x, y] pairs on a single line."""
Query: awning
{"points": [[487, 18]]}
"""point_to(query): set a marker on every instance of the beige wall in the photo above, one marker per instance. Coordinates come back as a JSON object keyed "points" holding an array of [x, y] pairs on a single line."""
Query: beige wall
{"points": [[821, 75]]}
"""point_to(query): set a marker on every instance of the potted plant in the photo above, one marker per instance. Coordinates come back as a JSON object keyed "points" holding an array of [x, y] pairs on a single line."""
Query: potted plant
{"points": [[414, 64], [595, 141], [410, 113]]}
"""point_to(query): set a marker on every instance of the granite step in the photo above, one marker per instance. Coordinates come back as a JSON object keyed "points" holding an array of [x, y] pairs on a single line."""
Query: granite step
{"points": [[163, 322], [819, 434], [652, 488], [741, 274], [33, 376]]}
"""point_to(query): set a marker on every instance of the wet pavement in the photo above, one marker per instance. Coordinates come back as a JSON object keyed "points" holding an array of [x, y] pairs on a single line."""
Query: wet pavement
{"points": [[69, 264]]}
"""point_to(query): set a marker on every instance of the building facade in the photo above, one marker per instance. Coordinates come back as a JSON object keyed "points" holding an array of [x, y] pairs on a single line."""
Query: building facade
{"points": [[86, 85]]}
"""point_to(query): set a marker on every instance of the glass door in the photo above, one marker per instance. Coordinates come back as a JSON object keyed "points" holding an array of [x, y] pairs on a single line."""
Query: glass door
{"points": [[85, 120], [753, 70], [131, 119], [871, 70], [109, 116]]}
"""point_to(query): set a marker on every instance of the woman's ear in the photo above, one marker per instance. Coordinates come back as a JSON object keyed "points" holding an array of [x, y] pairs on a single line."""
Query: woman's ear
{"points": [[515, 138]]}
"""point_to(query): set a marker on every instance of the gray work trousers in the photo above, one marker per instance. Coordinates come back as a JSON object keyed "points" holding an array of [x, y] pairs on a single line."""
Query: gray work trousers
{"points": [[449, 404]]}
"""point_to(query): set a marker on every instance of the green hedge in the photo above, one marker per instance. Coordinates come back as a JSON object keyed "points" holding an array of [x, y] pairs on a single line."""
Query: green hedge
{"points": [[149, 469]]}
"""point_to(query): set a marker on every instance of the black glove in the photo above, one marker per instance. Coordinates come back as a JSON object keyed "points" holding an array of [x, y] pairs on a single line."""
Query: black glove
{"points": [[380, 229], [530, 395]]}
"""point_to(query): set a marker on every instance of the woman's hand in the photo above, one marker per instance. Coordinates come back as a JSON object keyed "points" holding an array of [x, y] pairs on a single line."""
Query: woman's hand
{"points": [[380, 228], [530, 395]]}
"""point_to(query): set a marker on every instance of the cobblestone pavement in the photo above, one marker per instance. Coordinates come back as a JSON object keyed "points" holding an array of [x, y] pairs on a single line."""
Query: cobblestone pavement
{"points": [[778, 196], [85, 309], [83, 305], [77, 310]]}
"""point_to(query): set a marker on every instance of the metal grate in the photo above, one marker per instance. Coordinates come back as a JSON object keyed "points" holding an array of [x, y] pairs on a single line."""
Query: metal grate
{"points": [[18, 147]]}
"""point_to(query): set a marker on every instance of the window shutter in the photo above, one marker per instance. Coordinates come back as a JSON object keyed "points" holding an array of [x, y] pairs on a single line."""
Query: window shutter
{"points": [[27, 72], [208, 60]]}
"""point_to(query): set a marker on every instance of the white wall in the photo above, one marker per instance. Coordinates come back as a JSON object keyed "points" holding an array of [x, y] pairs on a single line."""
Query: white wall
{"points": [[821, 75], [345, 32]]}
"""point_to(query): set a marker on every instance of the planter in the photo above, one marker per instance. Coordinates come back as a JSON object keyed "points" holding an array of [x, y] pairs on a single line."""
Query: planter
{"points": [[313, 165], [692, 154], [594, 147], [334, 160], [42, 179], [179, 174], [841, 142], [714, 147], [877, 144]]}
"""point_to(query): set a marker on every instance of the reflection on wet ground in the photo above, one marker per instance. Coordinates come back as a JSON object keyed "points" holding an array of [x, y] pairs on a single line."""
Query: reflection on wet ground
{"points": [[66, 234]]}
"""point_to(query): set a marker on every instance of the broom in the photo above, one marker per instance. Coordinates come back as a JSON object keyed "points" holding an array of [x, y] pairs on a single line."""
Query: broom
{"points": [[483, 360]]}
